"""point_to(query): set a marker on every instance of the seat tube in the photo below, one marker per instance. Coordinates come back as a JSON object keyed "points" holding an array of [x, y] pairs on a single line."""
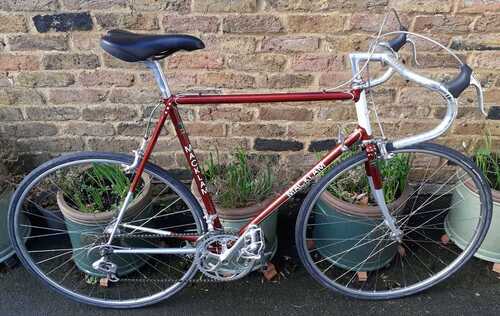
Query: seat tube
{"points": [[160, 78]]}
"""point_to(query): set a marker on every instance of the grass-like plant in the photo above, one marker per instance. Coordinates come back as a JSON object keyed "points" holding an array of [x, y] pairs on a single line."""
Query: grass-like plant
{"points": [[353, 187], [241, 182], [489, 162], [99, 188]]}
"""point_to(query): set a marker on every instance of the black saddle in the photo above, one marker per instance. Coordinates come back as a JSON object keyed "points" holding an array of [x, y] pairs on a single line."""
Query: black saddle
{"points": [[132, 47]]}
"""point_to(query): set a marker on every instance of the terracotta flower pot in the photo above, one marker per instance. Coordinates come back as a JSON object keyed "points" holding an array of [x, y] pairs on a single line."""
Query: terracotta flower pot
{"points": [[234, 218], [347, 224], [82, 226], [462, 218]]}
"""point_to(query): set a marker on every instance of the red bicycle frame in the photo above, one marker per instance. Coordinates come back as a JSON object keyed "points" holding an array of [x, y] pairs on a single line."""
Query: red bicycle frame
{"points": [[171, 111]]}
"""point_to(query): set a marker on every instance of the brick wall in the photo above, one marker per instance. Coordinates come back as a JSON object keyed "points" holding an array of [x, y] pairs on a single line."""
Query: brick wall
{"points": [[60, 92]]}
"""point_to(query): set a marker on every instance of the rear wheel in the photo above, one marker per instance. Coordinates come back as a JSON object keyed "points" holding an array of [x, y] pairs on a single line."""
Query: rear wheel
{"points": [[64, 236], [346, 246]]}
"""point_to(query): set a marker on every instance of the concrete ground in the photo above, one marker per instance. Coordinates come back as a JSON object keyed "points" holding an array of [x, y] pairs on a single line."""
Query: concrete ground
{"points": [[475, 290]]}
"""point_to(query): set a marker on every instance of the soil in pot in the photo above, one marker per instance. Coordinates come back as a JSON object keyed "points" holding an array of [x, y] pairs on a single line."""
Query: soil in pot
{"points": [[85, 227]]}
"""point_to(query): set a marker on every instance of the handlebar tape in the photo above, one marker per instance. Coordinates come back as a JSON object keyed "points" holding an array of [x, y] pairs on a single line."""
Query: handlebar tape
{"points": [[461, 82], [399, 41]]}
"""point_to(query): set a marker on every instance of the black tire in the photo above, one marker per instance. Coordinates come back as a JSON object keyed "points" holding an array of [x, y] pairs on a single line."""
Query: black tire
{"points": [[432, 149], [179, 188]]}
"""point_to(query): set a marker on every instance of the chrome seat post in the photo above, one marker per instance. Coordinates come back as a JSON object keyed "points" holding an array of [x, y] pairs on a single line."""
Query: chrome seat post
{"points": [[160, 78]]}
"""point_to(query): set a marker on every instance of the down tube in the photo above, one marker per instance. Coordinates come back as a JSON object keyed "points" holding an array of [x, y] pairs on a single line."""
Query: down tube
{"points": [[358, 134]]}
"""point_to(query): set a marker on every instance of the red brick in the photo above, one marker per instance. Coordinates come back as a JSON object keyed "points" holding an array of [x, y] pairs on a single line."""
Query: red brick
{"points": [[29, 5], [85, 41], [325, 6], [439, 60], [443, 23], [88, 129], [45, 79], [320, 63], [346, 43], [229, 44], [312, 129], [489, 60], [62, 96], [27, 42], [177, 6], [10, 96], [217, 6], [105, 78], [233, 113], [226, 80], [427, 6], [334, 78], [258, 130], [133, 96], [478, 6], [146, 22], [290, 44], [202, 23], [113, 144], [195, 61], [70, 61], [488, 23], [316, 23], [110, 113], [252, 24], [286, 81], [281, 113], [220, 143], [16, 62], [257, 62], [13, 23], [94, 5], [206, 129], [371, 22]]}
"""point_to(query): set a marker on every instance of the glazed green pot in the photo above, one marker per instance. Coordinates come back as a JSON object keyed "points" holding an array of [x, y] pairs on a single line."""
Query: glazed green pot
{"points": [[350, 226], [83, 227], [6, 250], [233, 219], [462, 218]]}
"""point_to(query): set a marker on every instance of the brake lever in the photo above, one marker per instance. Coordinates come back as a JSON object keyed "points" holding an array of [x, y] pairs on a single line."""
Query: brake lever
{"points": [[414, 51], [479, 91]]}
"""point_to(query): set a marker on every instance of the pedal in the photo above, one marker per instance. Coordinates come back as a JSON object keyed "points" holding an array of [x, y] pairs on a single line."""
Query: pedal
{"points": [[105, 266], [254, 244]]}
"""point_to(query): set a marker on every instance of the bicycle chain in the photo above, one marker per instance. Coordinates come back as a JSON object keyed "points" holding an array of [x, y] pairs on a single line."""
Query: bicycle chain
{"points": [[158, 236]]}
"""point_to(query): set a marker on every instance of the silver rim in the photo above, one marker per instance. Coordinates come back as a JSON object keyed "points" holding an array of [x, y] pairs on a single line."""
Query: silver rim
{"points": [[336, 257], [97, 296]]}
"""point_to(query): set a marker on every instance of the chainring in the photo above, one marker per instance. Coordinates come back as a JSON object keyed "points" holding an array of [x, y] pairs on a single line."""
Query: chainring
{"points": [[208, 254]]}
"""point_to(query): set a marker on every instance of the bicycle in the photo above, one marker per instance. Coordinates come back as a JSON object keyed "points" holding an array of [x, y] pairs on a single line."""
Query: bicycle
{"points": [[173, 237]]}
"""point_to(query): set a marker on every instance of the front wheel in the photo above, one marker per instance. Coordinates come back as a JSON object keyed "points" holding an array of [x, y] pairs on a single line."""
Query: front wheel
{"points": [[62, 211], [345, 244]]}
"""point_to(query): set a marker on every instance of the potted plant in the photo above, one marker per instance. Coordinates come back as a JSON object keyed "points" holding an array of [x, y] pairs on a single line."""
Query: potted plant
{"points": [[240, 189], [6, 191], [465, 208], [88, 201], [346, 211]]}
